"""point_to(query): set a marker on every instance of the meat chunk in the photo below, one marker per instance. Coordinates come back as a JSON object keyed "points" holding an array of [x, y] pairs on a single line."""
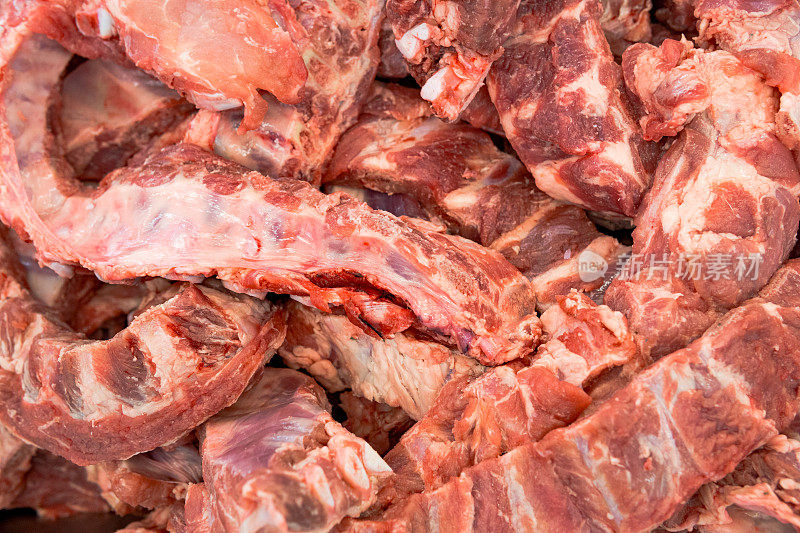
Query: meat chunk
{"points": [[625, 22], [450, 45], [765, 36], [377, 423], [392, 65], [724, 197], [107, 112], [151, 480], [764, 486], [339, 45], [277, 461], [217, 54], [688, 419], [453, 174], [79, 398], [564, 110], [508, 406], [281, 235], [56, 488], [401, 371]]}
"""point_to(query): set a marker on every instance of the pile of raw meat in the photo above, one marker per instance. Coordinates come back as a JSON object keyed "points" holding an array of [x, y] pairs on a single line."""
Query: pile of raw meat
{"points": [[401, 266]]}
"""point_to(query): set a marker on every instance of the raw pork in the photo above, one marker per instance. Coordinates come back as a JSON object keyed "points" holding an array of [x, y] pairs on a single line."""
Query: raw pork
{"points": [[281, 235], [80, 398], [277, 461]]}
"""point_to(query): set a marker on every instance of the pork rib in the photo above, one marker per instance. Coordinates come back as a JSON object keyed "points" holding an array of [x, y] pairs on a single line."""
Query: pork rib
{"points": [[450, 45], [765, 36], [297, 140], [454, 175], [695, 209], [107, 112], [277, 461], [688, 419], [217, 54], [508, 406], [563, 108], [177, 364], [165, 218], [401, 371]]}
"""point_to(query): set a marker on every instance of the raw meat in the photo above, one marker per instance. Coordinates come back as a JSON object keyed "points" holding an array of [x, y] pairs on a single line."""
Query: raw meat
{"points": [[725, 189], [277, 461], [392, 65], [482, 114], [765, 36], [339, 47], [450, 45], [15, 461], [625, 22], [165, 217], [177, 364], [688, 419], [511, 405], [151, 480], [218, 54], [56, 488], [107, 112], [454, 175], [678, 15], [377, 423], [765, 484], [401, 371], [564, 109]]}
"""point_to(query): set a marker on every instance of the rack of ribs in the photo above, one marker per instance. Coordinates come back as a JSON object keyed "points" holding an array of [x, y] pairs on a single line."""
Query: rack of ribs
{"points": [[78, 398], [281, 235], [726, 187], [688, 419]]}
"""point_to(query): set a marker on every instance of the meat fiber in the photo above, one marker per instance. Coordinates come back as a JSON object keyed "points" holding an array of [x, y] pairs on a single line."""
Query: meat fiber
{"points": [[401, 371], [164, 218], [688, 419], [762, 490], [80, 398], [377, 423], [150, 480], [564, 110], [277, 461], [392, 65], [15, 461], [217, 54], [472, 421], [107, 112], [56, 488], [625, 22], [454, 175], [338, 44], [725, 189], [449, 46], [765, 36]]}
